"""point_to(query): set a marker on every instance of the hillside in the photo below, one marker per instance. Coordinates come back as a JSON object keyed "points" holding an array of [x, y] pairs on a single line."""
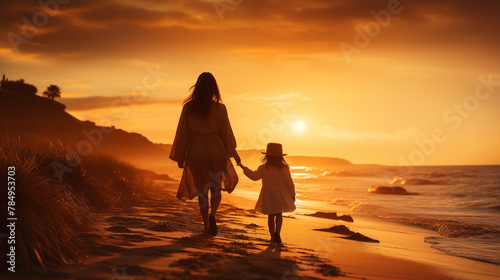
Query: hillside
{"points": [[37, 122]]}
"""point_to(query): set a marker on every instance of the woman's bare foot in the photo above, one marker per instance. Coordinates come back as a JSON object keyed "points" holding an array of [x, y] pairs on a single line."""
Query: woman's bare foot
{"points": [[213, 225]]}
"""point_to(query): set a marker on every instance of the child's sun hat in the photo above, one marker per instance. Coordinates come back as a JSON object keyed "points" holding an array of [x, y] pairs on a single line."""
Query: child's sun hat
{"points": [[274, 149]]}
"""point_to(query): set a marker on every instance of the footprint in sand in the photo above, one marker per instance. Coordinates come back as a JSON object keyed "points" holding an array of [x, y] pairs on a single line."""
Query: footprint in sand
{"points": [[118, 229], [129, 222], [252, 226], [162, 227]]}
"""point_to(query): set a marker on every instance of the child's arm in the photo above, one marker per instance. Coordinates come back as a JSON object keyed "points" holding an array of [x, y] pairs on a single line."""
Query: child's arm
{"points": [[252, 175], [289, 183]]}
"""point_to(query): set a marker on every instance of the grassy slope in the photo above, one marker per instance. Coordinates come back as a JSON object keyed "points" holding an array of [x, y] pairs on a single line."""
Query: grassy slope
{"points": [[53, 215]]}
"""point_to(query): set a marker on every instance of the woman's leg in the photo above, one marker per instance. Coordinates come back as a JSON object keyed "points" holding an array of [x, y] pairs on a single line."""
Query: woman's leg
{"points": [[203, 203], [215, 199], [270, 224]]}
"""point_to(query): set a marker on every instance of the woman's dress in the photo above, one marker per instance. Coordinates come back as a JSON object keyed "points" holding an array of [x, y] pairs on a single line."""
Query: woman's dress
{"points": [[205, 146]]}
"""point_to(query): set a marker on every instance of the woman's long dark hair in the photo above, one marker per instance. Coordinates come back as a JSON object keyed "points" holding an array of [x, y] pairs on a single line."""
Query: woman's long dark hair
{"points": [[277, 161], [204, 91]]}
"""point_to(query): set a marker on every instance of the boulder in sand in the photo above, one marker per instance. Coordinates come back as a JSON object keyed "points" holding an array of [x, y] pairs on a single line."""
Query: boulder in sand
{"points": [[388, 190], [341, 229], [362, 238], [332, 216]]}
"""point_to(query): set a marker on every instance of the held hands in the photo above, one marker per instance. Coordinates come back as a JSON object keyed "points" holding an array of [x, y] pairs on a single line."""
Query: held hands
{"points": [[238, 160]]}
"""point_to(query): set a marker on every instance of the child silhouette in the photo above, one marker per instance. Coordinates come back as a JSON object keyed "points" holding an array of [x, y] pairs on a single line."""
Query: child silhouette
{"points": [[277, 194]]}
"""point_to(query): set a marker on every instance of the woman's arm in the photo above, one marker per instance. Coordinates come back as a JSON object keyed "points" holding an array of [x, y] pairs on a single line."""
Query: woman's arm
{"points": [[227, 134], [237, 159], [179, 147]]}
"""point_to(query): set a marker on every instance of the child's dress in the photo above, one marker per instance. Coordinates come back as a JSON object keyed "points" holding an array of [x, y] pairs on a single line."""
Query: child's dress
{"points": [[278, 191]]}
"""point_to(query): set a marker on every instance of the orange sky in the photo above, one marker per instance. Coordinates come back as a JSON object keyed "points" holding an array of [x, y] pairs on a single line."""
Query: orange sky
{"points": [[383, 82]]}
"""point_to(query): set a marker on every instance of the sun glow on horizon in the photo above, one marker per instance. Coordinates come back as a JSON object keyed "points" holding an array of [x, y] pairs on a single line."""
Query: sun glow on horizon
{"points": [[299, 126]]}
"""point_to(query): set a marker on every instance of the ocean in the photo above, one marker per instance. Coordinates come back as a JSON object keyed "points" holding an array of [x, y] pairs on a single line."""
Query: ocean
{"points": [[461, 203]]}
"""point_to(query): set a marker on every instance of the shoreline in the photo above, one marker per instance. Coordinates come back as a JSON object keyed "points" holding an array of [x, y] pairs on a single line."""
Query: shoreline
{"points": [[405, 243]]}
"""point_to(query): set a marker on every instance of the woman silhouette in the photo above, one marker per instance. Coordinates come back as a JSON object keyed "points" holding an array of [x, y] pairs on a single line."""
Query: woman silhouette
{"points": [[203, 144]]}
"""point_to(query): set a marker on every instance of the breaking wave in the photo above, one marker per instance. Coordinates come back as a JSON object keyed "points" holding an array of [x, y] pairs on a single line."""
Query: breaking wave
{"points": [[446, 228], [400, 181]]}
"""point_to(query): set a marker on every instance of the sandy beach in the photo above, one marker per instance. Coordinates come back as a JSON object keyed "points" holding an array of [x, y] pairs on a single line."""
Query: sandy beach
{"points": [[162, 239]]}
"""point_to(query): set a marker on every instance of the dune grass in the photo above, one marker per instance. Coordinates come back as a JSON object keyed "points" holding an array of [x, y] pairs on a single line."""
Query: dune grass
{"points": [[53, 215]]}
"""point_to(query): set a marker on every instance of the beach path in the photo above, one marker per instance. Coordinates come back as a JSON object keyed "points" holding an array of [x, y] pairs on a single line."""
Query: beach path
{"points": [[162, 239]]}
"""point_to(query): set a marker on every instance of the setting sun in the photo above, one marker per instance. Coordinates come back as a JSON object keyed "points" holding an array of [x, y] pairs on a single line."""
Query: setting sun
{"points": [[299, 126]]}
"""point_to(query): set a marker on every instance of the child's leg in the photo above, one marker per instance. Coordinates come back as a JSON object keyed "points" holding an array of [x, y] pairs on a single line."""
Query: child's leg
{"points": [[279, 222], [270, 223]]}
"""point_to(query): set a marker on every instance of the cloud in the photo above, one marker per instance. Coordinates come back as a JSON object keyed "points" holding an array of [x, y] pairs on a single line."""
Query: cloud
{"points": [[407, 135], [144, 29], [68, 95], [284, 99], [79, 86], [352, 134], [12, 56], [98, 102]]}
